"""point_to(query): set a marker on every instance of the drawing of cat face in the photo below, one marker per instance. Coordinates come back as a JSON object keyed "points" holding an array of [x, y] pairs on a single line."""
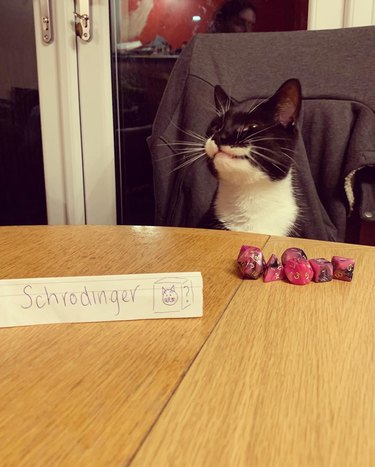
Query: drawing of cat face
{"points": [[169, 295]]}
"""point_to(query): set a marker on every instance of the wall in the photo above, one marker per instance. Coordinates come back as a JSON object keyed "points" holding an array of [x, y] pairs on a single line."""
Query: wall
{"points": [[17, 47], [281, 15]]}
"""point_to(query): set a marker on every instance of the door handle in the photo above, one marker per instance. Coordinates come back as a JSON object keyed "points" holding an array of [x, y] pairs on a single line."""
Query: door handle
{"points": [[45, 16], [82, 20]]}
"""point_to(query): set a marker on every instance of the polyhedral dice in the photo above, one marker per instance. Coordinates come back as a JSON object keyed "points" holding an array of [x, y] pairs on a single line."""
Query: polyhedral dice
{"points": [[250, 262], [343, 268], [298, 271], [323, 269], [292, 253], [274, 270]]}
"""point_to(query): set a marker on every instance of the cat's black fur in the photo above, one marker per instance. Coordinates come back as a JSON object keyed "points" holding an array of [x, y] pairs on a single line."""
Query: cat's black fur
{"points": [[269, 127]]}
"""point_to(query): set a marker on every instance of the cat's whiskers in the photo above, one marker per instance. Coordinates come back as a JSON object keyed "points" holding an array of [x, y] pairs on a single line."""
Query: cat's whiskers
{"points": [[293, 151], [229, 103], [251, 140], [261, 139], [257, 150], [189, 161], [183, 152], [212, 107], [255, 105], [275, 152], [183, 144], [223, 108], [282, 151], [215, 109], [194, 135], [271, 161], [191, 133], [259, 132], [181, 148]]}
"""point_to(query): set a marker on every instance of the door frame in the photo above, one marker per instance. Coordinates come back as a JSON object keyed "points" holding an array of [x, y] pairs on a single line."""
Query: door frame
{"points": [[75, 95]]}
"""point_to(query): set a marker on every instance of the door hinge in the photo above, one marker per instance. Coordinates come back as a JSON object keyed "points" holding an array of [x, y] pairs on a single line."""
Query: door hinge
{"points": [[45, 16]]}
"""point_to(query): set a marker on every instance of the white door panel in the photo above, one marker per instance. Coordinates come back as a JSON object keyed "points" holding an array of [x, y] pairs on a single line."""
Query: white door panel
{"points": [[95, 91], [59, 103], [340, 13], [359, 13], [76, 113]]}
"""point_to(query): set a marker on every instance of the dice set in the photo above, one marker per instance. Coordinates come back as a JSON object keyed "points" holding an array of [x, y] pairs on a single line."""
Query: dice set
{"points": [[294, 266]]}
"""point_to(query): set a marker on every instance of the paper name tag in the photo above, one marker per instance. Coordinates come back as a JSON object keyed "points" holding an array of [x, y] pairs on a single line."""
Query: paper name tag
{"points": [[100, 298]]}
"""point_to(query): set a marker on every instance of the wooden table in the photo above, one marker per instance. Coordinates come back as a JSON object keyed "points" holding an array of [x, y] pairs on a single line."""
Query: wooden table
{"points": [[272, 375]]}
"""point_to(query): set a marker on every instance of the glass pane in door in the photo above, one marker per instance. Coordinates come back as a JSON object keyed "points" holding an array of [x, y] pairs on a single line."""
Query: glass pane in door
{"points": [[22, 190], [147, 38]]}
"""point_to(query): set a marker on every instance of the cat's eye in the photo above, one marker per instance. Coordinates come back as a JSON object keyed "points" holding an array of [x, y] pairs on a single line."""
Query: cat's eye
{"points": [[250, 127], [217, 125]]}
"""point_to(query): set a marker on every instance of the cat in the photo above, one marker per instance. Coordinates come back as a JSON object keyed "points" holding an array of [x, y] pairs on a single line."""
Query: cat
{"points": [[250, 152]]}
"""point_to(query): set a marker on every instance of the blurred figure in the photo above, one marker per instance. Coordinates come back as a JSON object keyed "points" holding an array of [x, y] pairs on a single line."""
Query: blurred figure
{"points": [[234, 16]]}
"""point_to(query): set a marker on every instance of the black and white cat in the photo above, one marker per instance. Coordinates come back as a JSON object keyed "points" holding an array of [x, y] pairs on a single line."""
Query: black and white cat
{"points": [[250, 152]]}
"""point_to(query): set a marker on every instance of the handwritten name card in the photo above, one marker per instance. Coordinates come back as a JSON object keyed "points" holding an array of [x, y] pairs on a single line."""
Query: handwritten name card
{"points": [[100, 298]]}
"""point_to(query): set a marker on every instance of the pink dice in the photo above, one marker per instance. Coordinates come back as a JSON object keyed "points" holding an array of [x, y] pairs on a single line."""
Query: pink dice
{"points": [[294, 266], [298, 271], [250, 262], [274, 270], [343, 268], [292, 253], [323, 269]]}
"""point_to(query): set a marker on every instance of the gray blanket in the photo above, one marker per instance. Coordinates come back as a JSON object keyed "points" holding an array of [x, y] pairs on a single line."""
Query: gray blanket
{"points": [[335, 154]]}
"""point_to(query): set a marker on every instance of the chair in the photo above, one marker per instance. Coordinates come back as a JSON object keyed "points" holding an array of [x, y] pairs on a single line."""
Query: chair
{"points": [[336, 148]]}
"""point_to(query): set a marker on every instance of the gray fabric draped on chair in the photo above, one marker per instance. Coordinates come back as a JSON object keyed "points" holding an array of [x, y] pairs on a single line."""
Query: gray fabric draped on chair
{"points": [[335, 156]]}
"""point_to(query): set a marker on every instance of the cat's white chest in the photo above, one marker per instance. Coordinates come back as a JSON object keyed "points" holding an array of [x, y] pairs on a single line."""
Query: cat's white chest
{"points": [[267, 207]]}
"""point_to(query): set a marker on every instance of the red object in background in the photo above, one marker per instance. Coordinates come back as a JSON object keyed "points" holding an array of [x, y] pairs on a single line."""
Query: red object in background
{"points": [[173, 19]]}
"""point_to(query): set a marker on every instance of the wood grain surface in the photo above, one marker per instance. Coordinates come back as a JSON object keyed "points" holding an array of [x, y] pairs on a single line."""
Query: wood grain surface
{"points": [[89, 394], [287, 377]]}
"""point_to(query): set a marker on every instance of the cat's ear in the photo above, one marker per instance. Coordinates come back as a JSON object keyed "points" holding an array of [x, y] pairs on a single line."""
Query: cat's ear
{"points": [[222, 100], [162, 290], [172, 288], [288, 102]]}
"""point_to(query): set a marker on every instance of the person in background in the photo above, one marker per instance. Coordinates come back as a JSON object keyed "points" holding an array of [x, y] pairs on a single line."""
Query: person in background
{"points": [[234, 16]]}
